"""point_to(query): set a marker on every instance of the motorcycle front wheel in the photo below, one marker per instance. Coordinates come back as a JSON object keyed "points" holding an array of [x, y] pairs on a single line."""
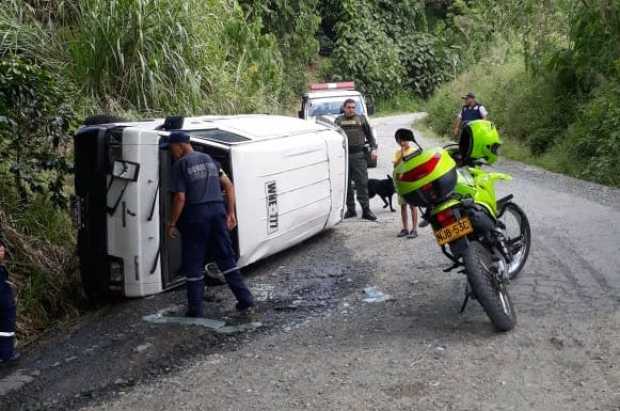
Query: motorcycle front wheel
{"points": [[491, 294], [518, 237]]}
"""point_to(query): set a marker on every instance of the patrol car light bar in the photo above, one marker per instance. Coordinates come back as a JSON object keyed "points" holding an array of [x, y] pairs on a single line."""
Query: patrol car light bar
{"points": [[343, 85]]}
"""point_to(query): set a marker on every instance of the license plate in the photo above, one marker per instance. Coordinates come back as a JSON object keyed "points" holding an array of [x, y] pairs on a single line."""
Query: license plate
{"points": [[454, 231]]}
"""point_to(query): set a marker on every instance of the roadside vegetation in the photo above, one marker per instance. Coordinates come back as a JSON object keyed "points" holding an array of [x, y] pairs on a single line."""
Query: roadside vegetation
{"points": [[548, 72], [551, 84]]}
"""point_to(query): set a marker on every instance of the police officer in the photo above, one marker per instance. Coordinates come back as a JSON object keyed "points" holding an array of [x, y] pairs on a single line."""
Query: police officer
{"points": [[359, 133], [472, 110], [7, 315], [204, 221]]}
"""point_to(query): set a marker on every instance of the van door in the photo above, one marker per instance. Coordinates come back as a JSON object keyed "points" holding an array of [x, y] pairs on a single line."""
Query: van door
{"points": [[283, 193]]}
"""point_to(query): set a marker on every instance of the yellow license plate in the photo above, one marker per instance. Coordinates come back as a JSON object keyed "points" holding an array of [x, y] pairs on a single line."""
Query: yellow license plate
{"points": [[454, 231]]}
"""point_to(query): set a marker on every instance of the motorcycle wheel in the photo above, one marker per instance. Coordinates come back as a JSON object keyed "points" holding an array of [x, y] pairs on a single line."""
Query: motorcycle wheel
{"points": [[518, 237], [493, 296]]}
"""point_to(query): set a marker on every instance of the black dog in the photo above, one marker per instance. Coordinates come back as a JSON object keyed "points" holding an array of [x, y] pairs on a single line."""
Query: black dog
{"points": [[383, 188]]}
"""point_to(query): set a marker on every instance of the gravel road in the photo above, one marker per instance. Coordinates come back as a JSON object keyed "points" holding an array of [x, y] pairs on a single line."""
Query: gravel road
{"points": [[323, 347]]}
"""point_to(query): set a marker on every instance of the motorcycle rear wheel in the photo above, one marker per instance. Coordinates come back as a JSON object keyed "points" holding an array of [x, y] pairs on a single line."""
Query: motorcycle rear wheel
{"points": [[492, 295], [518, 237]]}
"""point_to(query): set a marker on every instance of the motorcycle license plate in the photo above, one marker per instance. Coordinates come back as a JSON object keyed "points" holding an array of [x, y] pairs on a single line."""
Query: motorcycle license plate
{"points": [[454, 231]]}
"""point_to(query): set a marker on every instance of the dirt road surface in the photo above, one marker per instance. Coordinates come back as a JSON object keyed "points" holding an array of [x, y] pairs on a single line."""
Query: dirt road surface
{"points": [[322, 347]]}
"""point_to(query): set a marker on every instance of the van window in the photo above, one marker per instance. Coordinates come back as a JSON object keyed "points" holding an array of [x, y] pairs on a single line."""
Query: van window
{"points": [[218, 136]]}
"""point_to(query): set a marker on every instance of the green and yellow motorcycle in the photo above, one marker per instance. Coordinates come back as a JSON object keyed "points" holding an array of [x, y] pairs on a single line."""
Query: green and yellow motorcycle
{"points": [[489, 238]]}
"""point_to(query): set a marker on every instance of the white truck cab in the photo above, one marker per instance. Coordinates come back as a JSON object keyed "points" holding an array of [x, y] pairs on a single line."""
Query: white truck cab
{"points": [[326, 100], [290, 179], [324, 103]]}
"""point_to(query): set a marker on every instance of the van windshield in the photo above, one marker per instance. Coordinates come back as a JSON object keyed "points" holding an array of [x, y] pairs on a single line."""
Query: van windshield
{"points": [[331, 106]]}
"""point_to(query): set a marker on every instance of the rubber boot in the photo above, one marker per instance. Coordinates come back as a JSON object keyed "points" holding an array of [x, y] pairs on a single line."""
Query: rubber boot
{"points": [[368, 215], [350, 213]]}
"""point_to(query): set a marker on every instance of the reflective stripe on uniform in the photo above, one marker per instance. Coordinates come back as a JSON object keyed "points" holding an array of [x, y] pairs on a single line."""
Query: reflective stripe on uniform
{"points": [[230, 270], [192, 279], [7, 335]]}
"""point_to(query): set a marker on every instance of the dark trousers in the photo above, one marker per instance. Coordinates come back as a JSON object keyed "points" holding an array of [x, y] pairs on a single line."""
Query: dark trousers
{"points": [[204, 233], [358, 174], [7, 317]]}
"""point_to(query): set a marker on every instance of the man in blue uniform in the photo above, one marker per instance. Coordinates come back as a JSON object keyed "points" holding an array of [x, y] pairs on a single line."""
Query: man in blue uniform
{"points": [[7, 315], [472, 110], [204, 220]]}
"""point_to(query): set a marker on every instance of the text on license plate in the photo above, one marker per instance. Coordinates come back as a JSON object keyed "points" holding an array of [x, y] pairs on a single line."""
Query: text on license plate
{"points": [[454, 231]]}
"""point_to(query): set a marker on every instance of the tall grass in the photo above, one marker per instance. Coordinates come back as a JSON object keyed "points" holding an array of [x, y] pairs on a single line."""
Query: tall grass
{"points": [[186, 56], [23, 35], [41, 261]]}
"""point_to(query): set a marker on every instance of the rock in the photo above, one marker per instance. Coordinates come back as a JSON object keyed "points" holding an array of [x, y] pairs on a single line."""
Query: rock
{"points": [[558, 343], [143, 347]]}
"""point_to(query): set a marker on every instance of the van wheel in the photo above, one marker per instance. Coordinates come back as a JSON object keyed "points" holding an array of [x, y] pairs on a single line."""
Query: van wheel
{"points": [[102, 119]]}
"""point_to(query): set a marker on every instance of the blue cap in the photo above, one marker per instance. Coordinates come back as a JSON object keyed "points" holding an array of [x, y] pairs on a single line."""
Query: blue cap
{"points": [[174, 137]]}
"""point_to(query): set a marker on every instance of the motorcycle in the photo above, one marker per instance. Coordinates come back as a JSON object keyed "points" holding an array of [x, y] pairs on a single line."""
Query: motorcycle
{"points": [[488, 239]]}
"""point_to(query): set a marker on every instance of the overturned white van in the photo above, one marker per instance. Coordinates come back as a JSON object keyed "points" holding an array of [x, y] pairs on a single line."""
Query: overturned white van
{"points": [[290, 180]]}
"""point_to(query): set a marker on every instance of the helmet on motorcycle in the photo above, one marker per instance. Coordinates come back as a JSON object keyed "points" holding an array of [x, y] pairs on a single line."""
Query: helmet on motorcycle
{"points": [[479, 141], [404, 134]]}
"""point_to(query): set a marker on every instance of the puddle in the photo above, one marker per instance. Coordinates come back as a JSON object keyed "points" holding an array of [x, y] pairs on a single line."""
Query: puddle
{"points": [[376, 296], [171, 315]]}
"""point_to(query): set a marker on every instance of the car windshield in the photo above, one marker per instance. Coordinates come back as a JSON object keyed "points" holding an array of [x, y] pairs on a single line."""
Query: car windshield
{"points": [[331, 106]]}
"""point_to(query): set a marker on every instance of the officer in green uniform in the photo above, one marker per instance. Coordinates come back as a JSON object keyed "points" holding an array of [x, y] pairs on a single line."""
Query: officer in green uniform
{"points": [[359, 133]]}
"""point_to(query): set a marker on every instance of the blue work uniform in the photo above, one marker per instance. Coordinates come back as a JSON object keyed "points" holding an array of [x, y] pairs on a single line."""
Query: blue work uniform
{"points": [[7, 317], [204, 231]]}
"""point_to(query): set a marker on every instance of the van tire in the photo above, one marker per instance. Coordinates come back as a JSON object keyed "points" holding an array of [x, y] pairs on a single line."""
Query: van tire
{"points": [[103, 118]]}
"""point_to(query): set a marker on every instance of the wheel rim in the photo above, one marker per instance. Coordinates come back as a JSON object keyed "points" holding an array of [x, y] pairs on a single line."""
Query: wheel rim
{"points": [[503, 298], [500, 288], [515, 233]]}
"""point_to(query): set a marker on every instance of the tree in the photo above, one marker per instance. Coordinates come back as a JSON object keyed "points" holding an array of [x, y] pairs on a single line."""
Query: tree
{"points": [[34, 130]]}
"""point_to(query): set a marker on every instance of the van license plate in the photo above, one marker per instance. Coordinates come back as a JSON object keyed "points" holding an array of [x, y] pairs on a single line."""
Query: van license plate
{"points": [[454, 231]]}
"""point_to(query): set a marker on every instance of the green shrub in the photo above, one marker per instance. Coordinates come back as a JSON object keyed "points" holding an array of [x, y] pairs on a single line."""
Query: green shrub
{"points": [[386, 47], [540, 121], [365, 53], [295, 25], [525, 107], [35, 123], [592, 144]]}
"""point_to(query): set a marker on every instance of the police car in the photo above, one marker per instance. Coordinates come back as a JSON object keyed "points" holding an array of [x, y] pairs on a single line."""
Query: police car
{"points": [[324, 102], [290, 179]]}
